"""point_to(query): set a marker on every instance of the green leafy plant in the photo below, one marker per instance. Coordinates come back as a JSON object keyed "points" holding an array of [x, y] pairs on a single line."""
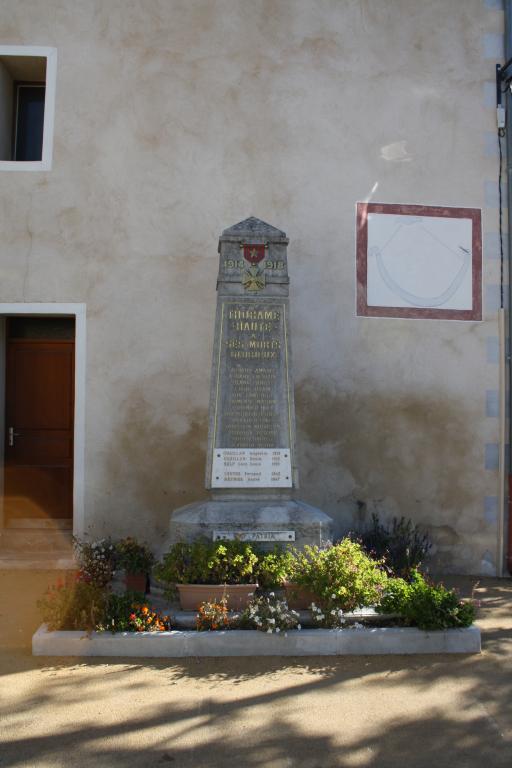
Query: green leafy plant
{"points": [[96, 561], [207, 562], [117, 612], [80, 605], [403, 546], [340, 576], [426, 605], [133, 557], [213, 616], [269, 614], [273, 568]]}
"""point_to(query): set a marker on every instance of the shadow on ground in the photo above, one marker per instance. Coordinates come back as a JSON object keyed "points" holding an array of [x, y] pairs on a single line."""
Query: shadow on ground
{"points": [[315, 712]]}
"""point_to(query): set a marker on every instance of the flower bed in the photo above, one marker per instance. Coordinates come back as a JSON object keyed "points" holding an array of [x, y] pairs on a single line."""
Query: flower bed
{"points": [[90, 617]]}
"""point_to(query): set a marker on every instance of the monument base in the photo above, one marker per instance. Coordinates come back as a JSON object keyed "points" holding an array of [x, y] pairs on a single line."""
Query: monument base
{"points": [[259, 520]]}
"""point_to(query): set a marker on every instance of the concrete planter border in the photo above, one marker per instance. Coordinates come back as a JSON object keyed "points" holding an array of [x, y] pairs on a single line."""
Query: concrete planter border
{"points": [[306, 642]]}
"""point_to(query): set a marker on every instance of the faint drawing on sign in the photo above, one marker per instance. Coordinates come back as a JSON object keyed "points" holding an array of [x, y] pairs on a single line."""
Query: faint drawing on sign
{"points": [[418, 261]]}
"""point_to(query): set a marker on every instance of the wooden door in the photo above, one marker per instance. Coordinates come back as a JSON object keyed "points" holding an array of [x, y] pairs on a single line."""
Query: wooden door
{"points": [[39, 415]]}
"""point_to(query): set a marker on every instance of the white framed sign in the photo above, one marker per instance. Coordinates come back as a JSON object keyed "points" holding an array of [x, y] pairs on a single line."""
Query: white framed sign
{"points": [[251, 468]]}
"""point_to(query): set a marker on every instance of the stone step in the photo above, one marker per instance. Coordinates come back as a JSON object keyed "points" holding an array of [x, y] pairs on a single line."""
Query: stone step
{"points": [[39, 523], [35, 540], [36, 561]]}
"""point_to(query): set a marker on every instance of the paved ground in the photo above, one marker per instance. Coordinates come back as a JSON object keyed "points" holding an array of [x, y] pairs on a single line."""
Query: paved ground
{"points": [[414, 712]]}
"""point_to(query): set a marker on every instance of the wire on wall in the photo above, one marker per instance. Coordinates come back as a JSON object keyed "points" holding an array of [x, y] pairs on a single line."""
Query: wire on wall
{"points": [[501, 132]]}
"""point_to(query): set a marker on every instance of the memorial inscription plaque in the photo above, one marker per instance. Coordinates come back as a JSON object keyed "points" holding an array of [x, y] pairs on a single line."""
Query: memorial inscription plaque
{"points": [[251, 440]]}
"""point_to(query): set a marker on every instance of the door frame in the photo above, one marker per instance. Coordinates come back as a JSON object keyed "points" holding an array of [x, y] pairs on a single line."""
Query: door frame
{"points": [[78, 311]]}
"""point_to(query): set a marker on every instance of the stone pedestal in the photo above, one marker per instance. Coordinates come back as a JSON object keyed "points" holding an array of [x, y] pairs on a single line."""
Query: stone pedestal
{"points": [[261, 518]]}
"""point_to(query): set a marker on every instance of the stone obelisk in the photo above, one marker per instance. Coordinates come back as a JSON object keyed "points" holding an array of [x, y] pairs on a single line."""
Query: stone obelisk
{"points": [[251, 467]]}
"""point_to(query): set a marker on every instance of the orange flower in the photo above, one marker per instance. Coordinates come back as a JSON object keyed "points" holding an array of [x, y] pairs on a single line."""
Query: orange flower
{"points": [[145, 609]]}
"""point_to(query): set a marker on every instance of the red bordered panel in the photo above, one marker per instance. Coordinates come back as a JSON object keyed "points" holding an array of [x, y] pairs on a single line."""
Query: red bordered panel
{"points": [[411, 305]]}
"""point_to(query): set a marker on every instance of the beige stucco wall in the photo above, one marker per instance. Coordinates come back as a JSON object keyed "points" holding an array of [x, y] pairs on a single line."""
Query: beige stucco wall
{"points": [[178, 118]]}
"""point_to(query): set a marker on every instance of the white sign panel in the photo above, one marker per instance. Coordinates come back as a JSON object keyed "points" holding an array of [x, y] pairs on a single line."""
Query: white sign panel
{"points": [[419, 261], [254, 535], [251, 468]]}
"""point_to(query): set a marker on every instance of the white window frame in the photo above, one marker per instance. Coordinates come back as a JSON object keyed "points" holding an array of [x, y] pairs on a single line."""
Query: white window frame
{"points": [[50, 54]]}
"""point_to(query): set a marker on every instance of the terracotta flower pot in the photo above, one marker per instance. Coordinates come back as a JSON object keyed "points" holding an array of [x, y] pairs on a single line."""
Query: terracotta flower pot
{"points": [[298, 598], [192, 595], [135, 582]]}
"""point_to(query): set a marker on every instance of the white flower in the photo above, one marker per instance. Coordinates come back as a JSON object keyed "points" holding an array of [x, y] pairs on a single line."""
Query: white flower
{"points": [[269, 631], [333, 597], [333, 612], [277, 629], [299, 626], [271, 621]]}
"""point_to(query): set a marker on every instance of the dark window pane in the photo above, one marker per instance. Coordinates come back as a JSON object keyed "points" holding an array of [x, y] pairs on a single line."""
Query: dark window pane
{"points": [[41, 328], [29, 122]]}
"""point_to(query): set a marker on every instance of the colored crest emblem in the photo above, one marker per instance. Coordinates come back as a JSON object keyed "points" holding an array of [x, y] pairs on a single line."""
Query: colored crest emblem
{"points": [[254, 253]]}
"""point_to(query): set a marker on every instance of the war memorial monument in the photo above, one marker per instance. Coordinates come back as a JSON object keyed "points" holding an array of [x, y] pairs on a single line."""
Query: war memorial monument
{"points": [[251, 466]]}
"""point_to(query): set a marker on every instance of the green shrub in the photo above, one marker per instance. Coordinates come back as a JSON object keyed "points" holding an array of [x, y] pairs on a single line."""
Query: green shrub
{"points": [[78, 606], [86, 606], [118, 608], [208, 562], [341, 576], [403, 547], [133, 557], [273, 568], [425, 605]]}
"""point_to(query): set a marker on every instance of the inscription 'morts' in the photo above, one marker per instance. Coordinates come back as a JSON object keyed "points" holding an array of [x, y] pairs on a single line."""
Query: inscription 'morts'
{"points": [[252, 378]]}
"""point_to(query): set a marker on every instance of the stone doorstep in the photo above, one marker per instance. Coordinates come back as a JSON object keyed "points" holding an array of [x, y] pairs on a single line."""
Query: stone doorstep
{"points": [[306, 642], [40, 524], [36, 562]]}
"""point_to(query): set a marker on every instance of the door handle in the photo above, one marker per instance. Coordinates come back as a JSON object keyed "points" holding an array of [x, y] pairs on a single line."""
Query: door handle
{"points": [[12, 435]]}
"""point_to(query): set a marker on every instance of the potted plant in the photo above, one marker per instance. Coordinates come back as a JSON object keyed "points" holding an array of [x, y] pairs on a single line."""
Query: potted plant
{"points": [[339, 576], [96, 561], [206, 571], [136, 560]]}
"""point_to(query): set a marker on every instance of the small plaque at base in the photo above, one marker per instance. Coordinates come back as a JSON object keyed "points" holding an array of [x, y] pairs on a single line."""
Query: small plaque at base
{"points": [[254, 535]]}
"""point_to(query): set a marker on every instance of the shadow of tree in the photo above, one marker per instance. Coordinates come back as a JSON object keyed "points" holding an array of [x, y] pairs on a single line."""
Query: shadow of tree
{"points": [[419, 711]]}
